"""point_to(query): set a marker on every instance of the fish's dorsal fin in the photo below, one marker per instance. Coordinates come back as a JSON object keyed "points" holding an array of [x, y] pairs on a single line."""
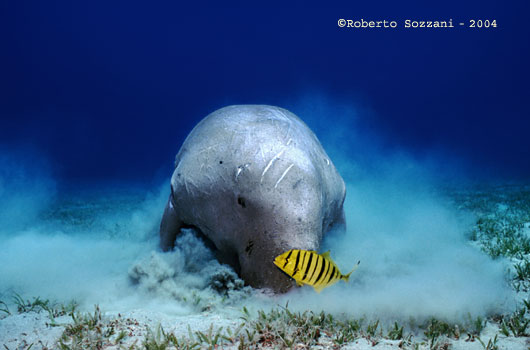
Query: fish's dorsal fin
{"points": [[326, 255]]}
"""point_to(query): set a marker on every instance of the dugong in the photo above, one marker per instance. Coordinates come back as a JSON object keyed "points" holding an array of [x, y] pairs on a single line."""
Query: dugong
{"points": [[255, 182]]}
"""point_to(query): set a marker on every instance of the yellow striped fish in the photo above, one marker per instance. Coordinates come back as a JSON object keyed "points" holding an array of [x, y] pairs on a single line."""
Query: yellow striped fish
{"points": [[309, 267]]}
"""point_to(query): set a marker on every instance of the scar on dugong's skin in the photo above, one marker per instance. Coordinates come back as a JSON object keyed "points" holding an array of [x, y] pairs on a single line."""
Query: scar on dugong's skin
{"points": [[255, 182]]}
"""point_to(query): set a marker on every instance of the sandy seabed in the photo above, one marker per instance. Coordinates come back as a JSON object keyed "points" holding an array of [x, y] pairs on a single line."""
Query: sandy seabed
{"points": [[100, 248], [22, 330]]}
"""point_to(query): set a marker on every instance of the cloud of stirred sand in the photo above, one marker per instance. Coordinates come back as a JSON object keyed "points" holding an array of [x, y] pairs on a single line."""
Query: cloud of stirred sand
{"points": [[415, 260], [100, 246], [410, 238]]}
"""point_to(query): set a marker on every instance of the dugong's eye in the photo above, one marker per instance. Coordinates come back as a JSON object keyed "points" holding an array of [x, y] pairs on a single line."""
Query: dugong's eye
{"points": [[241, 201]]}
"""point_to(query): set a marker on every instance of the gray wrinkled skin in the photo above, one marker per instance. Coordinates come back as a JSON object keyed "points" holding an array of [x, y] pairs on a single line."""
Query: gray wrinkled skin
{"points": [[255, 181]]}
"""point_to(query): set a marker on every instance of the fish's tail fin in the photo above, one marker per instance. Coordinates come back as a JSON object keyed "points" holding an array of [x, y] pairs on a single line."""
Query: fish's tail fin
{"points": [[346, 277]]}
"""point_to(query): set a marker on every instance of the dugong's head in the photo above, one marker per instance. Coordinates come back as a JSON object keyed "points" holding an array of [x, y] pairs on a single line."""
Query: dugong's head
{"points": [[281, 214], [255, 181]]}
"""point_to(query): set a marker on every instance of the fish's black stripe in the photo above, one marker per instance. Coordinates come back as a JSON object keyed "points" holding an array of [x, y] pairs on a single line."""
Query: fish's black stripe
{"points": [[297, 260], [292, 267], [330, 274], [308, 267], [322, 278], [287, 258], [322, 270], [336, 275], [303, 266], [302, 263], [311, 270], [319, 258]]}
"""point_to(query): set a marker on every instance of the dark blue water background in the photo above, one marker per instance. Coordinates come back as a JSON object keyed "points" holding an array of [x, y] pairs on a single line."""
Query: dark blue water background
{"points": [[109, 90]]}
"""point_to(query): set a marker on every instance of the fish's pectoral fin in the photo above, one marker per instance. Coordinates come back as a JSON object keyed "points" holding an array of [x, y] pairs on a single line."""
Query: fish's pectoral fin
{"points": [[319, 288], [299, 284]]}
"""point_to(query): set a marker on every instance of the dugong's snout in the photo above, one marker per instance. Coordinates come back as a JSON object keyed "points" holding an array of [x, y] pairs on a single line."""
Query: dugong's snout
{"points": [[269, 277], [259, 268]]}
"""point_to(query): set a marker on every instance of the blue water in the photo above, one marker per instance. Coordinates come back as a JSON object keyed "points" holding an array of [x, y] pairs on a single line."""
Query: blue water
{"points": [[109, 91]]}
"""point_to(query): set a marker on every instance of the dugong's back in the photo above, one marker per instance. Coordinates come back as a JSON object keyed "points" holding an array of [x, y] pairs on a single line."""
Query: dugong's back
{"points": [[256, 182]]}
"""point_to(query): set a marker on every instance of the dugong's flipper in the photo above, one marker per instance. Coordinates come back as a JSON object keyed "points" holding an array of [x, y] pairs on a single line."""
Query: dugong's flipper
{"points": [[169, 226]]}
